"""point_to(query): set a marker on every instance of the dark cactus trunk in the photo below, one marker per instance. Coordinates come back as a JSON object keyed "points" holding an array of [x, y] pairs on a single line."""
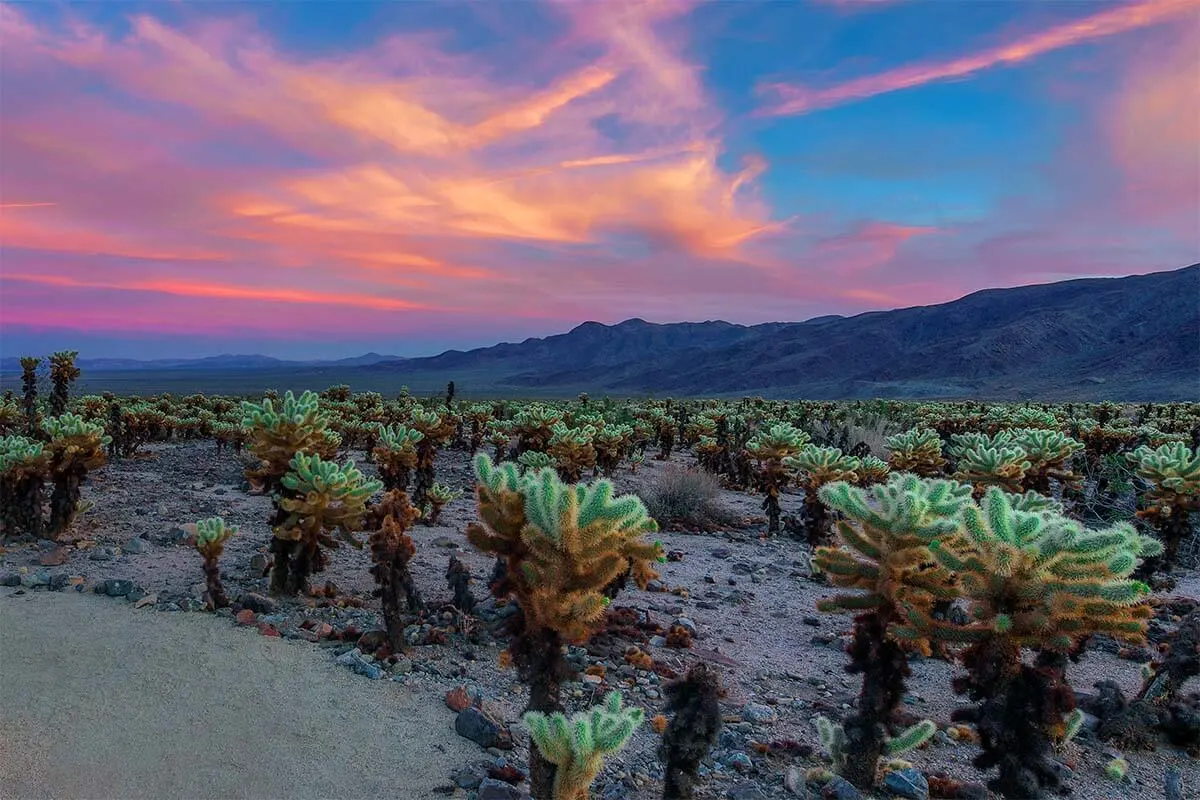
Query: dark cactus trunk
{"points": [[884, 667], [215, 595]]}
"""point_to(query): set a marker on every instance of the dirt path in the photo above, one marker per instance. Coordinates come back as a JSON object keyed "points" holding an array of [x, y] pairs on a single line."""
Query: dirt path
{"points": [[102, 702]]}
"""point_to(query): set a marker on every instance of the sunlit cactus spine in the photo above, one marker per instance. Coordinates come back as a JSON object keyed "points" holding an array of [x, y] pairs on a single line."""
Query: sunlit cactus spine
{"points": [[533, 426], [211, 535], [322, 498], [1033, 579], [771, 449], [1173, 474], [883, 554], [562, 546], [24, 470], [817, 467], [918, 451], [76, 448], [833, 738], [578, 745], [612, 443]]}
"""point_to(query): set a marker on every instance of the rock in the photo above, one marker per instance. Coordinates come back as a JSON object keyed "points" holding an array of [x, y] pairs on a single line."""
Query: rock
{"points": [[474, 724], [444, 541], [1173, 784], [403, 666], [742, 568], [739, 761], [246, 617], [759, 713], [148, 600], [175, 535], [466, 779], [720, 552], [12, 579], [747, 790], [971, 791], [59, 582], [135, 546], [492, 789], [908, 783], [839, 788], [259, 604], [117, 588], [267, 629], [55, 558], [684, 622], [794, 781], [101, 554], [137, 594], [33, 580], [457, 699], [258, 564], [417, 634]]}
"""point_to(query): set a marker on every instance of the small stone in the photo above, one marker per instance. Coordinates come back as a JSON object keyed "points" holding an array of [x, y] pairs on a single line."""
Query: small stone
{"points": [[258, 603], [656, 586], [747, 790], [739, 761], [403, 666], [148, 600], [135, 546], [117, 588], [759, 713], [246, 617], [839, 788], [814, 622], [137, 594], [474, 724], [444, 541], [59, 582], [33, 580], [684, 622], [258, 564], [492, 789], [458, 699], [720, 552], [466, 779], [101, 554], [55, 558], [266, 629], [794, 781], [175, 535], [971, 791], [1173, 784], [908, 783], [12, 579], [592, 680]]}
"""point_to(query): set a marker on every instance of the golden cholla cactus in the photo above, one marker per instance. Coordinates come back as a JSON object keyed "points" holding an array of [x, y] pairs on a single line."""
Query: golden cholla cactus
{"points": [[436, 499], [76, 448], [321, 498], [392, 550], [819, 466], [534, 426], [436, 429], [1173, 472], [883, 554], [612, 442], [534, 460], [871, 470], [918, 451], [1048, 453], [395, 454], [564, 544], [572, 451], [1032, 579], [211, 535], [990, 461], [578, 745], [280, 430]]}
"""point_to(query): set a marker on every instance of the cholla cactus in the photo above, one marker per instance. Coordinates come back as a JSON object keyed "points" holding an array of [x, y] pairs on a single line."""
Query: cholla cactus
{"points": [[322, 497], [884, 553], [436, 429], [772, 449], [611, 442], [871, 470], [1173, 472], [572, 451], [985, 462], [562, 547], [578, 746], [63, 373], [479, 416], [76, 448], [10, 416], [833, 739], [533, 460], [534, 426], [918, 451], [437, 497], [820, 466], [24, 468], [694, 703], [1048, 453], [1033, 579], [29, 366], [392, 550], [395, 454], [278, 434], [211, 535]]}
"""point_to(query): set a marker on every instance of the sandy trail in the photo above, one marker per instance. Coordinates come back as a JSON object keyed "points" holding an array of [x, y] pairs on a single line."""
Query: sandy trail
{"points": [[100, 701]]}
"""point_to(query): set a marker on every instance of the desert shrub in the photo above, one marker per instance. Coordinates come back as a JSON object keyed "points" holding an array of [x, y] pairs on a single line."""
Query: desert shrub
{"points": [[686, 497]]}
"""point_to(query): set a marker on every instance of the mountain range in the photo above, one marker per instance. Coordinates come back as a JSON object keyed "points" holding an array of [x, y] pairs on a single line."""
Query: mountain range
{"points": [[1132, 338]]}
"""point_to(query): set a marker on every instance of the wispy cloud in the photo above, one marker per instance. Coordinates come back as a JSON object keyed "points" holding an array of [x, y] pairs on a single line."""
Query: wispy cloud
{"points": [[791, 99]]}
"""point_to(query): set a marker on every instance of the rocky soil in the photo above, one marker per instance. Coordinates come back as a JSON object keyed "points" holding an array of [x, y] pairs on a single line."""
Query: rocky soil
{"points": [[749, 601]]}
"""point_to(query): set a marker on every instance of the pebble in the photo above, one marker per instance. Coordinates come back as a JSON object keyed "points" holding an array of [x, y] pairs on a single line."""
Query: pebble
{"points": [[908, 783], [739, 761], [747, 790], [839, 788], [116, 588], [12, 579], [478, 726], [492, 789], [101, 554], [135, 546], [759, 713], [1173, 784], [686, 623], [794, 781], [33, 580], [258, 563]]}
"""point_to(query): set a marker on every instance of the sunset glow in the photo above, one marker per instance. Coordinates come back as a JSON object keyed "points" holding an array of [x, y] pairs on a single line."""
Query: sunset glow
{"points": [[326, 179]]}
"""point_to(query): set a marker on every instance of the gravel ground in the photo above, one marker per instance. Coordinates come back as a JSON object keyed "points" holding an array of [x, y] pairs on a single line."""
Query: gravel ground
{"points": [[748, 598]]}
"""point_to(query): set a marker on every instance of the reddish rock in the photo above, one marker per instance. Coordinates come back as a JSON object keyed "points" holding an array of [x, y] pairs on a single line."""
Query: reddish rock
{"points": [[246, 617], [458, 698], [267, 629], [55, 558]]}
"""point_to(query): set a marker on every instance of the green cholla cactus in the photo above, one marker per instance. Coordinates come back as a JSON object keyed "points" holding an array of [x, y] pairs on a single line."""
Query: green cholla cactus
{"points": [[1048, 453], [533, 460], [1116, 770], [211, 535], [572, 451], [918, 451], [76, 448], [438, 496], [395, 454], [1002, 465], [277, 434], [24, 468], [819, 466], [871, 470], [578, 745], [1072, 725], [321, 497], [833, 738], [910, 738], [1173, 472], [772, 449]]}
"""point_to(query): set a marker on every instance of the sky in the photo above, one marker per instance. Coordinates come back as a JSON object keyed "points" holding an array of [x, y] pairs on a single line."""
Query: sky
{"points": [[315, 180]]}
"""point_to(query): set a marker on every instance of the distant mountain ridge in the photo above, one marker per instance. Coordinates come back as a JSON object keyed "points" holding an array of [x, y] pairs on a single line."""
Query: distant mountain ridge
{"points": [[1132, 338], [221, 362]]}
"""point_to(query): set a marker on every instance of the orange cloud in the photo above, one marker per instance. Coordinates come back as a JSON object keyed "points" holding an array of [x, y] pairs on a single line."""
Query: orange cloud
{"points": [[800, 100]]}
